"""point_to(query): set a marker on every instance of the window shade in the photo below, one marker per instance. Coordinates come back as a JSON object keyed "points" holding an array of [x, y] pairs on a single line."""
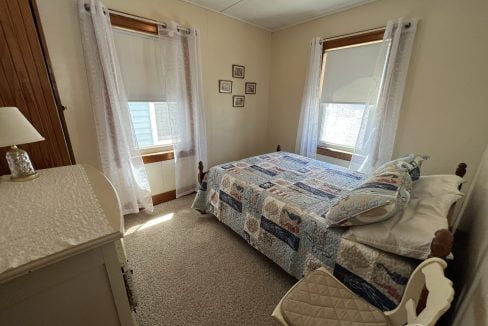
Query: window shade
{"points": [[139, 59], [348, 75]]}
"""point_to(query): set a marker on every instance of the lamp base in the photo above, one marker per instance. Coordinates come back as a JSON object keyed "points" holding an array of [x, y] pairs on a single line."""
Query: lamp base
{"points": [[27, 178], [20, 165]]}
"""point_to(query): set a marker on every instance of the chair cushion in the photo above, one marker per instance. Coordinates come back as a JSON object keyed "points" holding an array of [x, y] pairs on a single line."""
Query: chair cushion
{"points": [[321, 299]]}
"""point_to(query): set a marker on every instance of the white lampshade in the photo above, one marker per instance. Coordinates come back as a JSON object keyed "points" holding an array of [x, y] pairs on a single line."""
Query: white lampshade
{"points": [[15, 129]]}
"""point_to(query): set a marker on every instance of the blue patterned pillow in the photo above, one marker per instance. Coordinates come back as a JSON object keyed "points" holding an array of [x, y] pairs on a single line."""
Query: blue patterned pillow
{"points": [[412, 163], [378, 198]]}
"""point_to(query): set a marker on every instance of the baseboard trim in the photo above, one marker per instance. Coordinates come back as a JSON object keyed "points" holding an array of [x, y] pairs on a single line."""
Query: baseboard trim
{"points": [[164, 197]]}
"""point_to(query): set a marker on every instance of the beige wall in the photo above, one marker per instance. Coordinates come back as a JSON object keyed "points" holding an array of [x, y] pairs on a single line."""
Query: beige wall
{"points": [[445, 108], [232, 133], [445, 105]]}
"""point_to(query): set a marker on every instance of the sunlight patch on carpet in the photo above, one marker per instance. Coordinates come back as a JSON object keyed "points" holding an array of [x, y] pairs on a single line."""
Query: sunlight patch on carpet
{"points": [[150, 223]]}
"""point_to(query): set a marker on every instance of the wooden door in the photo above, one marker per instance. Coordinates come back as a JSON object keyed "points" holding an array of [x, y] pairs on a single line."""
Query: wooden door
{"points": [[26, 84]]}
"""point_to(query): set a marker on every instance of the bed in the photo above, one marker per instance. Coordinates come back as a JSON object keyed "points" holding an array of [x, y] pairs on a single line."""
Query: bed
{"points": [[277, 202]]}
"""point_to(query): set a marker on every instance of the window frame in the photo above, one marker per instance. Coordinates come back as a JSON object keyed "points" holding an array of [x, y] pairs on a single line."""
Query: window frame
{"points": [[361, 38], [150, 151], [141, 25]]}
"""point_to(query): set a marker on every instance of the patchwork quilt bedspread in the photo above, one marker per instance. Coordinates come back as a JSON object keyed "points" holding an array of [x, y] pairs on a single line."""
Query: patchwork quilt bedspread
{"points": [[277, 203]]}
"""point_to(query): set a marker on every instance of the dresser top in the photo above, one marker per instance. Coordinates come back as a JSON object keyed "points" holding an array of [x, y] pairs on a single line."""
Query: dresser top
{"points": [[65, 210]]}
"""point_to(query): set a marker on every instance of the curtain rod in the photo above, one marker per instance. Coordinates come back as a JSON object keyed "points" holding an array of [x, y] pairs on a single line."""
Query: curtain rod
{"points": [[407, 25], [180, 28]]}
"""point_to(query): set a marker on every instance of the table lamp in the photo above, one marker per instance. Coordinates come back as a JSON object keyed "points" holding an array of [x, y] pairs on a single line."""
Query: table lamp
{"points": [[15, 130]]}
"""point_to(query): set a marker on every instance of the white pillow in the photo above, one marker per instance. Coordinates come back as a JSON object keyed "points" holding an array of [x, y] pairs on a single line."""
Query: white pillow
{"points": [[436, 185], [410, 233]]}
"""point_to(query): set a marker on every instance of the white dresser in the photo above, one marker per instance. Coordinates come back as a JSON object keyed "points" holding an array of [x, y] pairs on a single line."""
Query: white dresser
{"points": [[60, 250]]}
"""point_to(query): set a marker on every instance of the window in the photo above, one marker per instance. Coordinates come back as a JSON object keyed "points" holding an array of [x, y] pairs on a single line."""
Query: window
{"points": [[157, 64], [347, 82], [139, 54], [152, 123], [340, 124]]}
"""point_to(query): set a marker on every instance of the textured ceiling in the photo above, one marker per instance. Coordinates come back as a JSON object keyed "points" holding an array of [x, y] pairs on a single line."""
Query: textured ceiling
{"points": [[274, 15]]}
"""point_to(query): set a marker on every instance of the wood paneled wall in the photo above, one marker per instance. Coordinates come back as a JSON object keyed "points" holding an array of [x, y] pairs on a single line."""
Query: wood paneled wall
{"points": [[26, 84]]}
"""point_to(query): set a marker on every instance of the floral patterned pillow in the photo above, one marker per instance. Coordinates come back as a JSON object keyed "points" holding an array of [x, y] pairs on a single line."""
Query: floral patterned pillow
{"points": [[378, 198], [411, 162]]}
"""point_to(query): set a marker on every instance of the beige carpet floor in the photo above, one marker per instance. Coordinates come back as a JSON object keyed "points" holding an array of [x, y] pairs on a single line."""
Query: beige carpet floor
{"points": [[190, 269]]}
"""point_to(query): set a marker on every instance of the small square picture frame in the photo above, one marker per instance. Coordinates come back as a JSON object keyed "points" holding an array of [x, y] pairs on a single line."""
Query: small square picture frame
{"points": [[238, 101], [238, 71], [250, 88], [225, 86]]}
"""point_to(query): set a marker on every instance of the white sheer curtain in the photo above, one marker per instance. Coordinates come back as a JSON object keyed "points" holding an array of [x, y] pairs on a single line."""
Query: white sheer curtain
{"points": [[120, 158], [182, 80], [308, 127], [376, 138]]}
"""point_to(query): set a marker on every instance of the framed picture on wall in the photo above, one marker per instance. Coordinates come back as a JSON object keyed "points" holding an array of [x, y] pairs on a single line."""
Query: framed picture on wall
{"points": [[225, 86], [238, 101], [238, 71], [250, 88]]}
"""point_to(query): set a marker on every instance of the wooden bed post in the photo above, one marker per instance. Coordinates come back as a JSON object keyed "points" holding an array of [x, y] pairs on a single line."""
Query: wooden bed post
{"points": [[442, 243], [461, 171], [440, 247], [201, 174], [278, 148]]}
